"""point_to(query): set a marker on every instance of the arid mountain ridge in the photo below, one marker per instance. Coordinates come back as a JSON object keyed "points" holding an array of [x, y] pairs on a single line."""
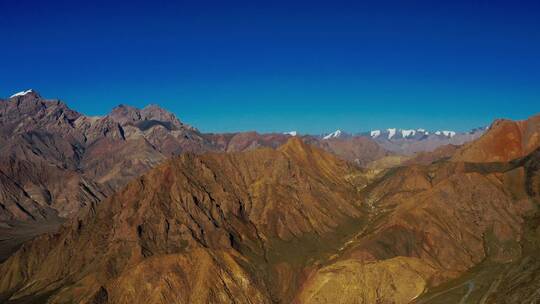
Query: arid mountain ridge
{"points": [[277, 219], [297, 224], [90, 157], [57, 163]]}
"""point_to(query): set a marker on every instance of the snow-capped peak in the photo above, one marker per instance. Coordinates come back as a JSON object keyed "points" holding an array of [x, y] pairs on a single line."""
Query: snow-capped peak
{"points": [[394, 134], [391, 132], [375, 133], [21, 93], [446, 133], [334, 134], [291, 133], [407, 133]]}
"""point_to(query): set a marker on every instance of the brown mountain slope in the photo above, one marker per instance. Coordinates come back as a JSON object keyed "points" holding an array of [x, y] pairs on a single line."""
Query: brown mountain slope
{"points": [[505, 140], [105, 152], [39, 178], [359, 149], [512, 280], [432, 224], [245, 141], [426, 158], [230, 226], [55, 161], [64, 161], [292, 225]]}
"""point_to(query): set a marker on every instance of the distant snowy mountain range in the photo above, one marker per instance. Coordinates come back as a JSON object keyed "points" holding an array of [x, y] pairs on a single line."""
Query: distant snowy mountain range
{"points": [[393, 134], [410, 141]]}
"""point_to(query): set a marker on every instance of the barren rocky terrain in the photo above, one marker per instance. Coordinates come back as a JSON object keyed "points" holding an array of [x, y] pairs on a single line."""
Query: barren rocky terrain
{"points": [[137, 207]]}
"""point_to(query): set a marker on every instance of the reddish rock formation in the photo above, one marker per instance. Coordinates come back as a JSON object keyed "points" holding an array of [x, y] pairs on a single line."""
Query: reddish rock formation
{"points": [[505, 140]]}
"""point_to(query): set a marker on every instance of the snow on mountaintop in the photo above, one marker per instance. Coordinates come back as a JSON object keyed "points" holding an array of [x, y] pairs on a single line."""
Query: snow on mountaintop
{"points": [[397, 134], [446, 133], [21, 93], [407, 133], [375, 133], [291, 133], [391, 133], [335, 134]]}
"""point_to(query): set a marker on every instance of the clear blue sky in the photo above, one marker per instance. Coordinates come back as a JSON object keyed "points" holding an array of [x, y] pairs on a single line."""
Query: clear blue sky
{"points": [[281, 65]]}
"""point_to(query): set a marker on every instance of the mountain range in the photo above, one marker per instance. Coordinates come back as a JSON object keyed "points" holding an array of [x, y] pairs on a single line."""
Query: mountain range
{"points": [[138, 207], [411, 141], [56, 163]]}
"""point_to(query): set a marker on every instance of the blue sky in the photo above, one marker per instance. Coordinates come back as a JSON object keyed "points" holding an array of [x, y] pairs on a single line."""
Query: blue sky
{"points": [[311, 66]]}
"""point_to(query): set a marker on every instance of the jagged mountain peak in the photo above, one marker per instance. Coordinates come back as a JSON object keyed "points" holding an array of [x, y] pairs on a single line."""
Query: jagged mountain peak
{"points": [[410, 141], [336, 134], [29, 92], [27, 110], [126, 114], [155, 106], [415, 134], [395, 133], [154, 111]]}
